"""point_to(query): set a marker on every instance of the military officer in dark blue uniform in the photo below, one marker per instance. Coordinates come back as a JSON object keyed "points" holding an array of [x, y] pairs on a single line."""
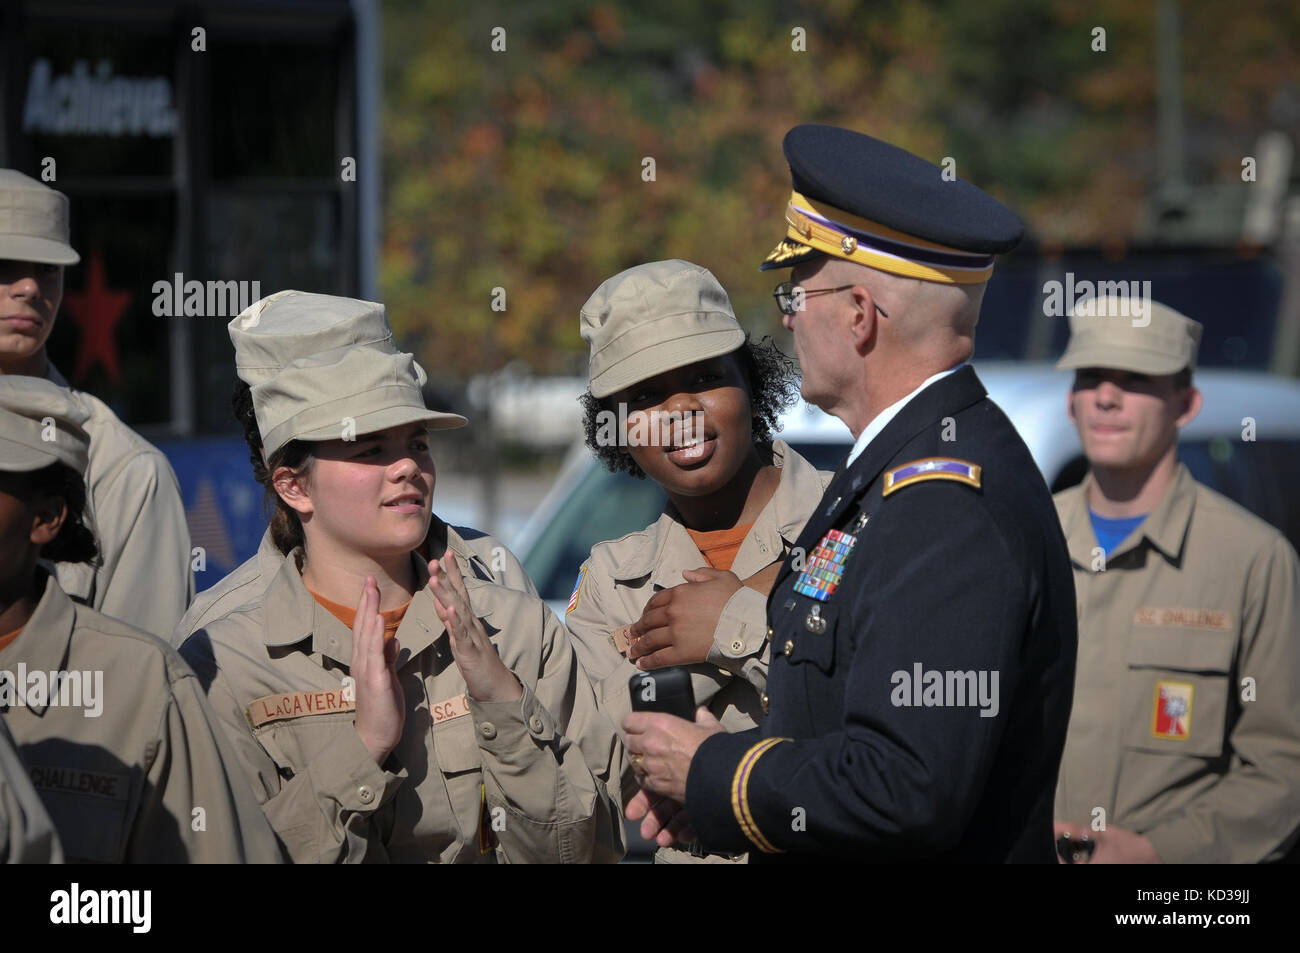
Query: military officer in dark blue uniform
{"points": [[923, 626]]}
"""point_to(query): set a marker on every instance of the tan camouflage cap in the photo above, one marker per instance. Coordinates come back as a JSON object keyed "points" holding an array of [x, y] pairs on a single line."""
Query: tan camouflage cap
{"points": [[281, 328], [40, 423], [1130, 334], [342, 395], [653, 318], [33, 221]]}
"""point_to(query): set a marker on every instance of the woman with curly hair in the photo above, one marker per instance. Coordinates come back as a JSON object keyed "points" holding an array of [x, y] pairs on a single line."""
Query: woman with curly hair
{"points": [[679, 393]]}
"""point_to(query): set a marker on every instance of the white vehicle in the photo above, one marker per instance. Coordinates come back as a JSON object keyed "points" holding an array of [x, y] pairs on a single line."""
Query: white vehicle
{"points": [[1245, 443]]}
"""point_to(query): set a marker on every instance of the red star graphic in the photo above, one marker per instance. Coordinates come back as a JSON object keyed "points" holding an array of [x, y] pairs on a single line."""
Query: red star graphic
{"points": [[97, 310]]}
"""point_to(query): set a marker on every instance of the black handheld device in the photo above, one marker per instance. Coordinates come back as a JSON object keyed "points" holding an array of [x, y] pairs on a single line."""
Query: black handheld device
{"points": [[665, 689]]}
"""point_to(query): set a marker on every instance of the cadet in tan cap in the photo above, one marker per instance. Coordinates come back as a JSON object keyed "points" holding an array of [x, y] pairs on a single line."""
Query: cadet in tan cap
{"points": [[268, 335], [110, 722], [679, 393], [1184, 739], [134, 508], [385, 707], [27, 834]]}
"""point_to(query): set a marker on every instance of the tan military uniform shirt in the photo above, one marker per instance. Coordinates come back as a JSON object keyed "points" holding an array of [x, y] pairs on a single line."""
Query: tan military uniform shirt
{"points": [[134, 509], [479, 555], [621, 575], [1186, 719], [469, 781], [26, 831], [137, 772]]}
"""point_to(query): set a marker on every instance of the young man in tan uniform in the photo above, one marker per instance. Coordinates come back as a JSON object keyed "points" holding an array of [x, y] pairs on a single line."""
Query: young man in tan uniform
{"points": [[110, 722], [273, 332], [654, 598], [134, 506], [455, 725], [1184, 739], [26, 832]]}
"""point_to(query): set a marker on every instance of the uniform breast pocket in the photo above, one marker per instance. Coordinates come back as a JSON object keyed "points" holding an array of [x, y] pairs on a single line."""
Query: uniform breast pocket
{"points": [[1177, 693], [810, 640], [455, 745], [294, 744]]}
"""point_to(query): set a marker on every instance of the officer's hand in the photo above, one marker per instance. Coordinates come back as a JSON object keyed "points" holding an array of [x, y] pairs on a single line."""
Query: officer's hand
{"points": [[1117, 845], [486, 676], [666, 745], [381, 706], [677, 625], [665, 819]]}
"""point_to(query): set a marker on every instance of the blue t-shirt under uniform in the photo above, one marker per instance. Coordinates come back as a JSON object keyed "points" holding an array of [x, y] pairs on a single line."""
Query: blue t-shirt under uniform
{"points": [[1111, 532]]}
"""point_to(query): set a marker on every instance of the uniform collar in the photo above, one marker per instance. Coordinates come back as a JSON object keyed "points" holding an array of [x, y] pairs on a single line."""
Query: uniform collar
{"points": [[46, 639], [882, 419], [666, 546], [1165, 527], [52, 374], [292, 614]]}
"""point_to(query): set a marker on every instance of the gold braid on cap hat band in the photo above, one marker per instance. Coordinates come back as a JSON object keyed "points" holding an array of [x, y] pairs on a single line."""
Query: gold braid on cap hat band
{"points": [[844, 235]]}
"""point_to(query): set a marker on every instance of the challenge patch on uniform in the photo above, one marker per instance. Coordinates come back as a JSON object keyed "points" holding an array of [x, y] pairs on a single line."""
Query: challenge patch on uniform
{"points": [[932, 468], [577, 588], [1184, 618], [77, 781], [286, 705], [1172, 718], [825, 568]]}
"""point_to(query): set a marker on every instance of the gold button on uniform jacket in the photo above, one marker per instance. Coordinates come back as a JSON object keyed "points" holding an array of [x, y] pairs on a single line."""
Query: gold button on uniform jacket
{"points": [[469, 782], [139, 771], [1186, 718]]}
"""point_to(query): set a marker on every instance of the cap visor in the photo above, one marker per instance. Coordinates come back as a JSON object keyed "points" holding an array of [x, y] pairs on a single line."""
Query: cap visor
{"points": [[1119, 359], [665, 356], [20, 458], [43, 250], [787, 254], [386, 418]]}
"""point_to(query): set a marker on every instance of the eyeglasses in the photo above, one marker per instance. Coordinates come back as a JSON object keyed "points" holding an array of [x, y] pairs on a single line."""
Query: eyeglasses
{"points": [[785, 296]]}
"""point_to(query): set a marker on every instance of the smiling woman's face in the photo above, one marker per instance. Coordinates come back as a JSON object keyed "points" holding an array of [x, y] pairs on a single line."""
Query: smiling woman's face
{"points": [[373, 495], [698, 421]]}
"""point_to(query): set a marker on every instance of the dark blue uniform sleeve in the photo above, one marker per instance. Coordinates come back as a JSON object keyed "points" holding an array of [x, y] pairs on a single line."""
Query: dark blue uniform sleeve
{"points": [[936, 602]]}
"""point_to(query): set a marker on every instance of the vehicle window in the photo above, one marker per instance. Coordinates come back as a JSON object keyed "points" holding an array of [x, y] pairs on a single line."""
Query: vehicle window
{"points": [[606, 505], [1255, 474]]}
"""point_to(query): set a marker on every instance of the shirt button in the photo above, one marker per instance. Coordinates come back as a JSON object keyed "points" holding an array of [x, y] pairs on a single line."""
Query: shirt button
{"points": [[535, 723], [365, 794], [488, 730], [789, 646], [737, 646]]}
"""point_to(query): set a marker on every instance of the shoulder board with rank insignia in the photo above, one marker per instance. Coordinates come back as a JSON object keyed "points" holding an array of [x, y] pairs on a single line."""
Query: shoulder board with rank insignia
{"points": [[932, 468]]}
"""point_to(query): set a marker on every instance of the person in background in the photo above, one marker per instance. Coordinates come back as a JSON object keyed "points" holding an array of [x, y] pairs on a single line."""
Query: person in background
{"points": [[142, 575], [700, 402], [1184, 741], [385, 707], [111, 724], [271, 333]]}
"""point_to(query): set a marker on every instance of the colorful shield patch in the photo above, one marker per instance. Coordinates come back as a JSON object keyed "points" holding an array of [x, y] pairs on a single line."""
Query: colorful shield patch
{"points": [[1172, 718], [825, 566]]}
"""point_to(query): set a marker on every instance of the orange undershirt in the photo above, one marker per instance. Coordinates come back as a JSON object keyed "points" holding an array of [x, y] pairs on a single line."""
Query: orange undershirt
{"points": [[720, 546], [6, 639], [392, 618]]}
